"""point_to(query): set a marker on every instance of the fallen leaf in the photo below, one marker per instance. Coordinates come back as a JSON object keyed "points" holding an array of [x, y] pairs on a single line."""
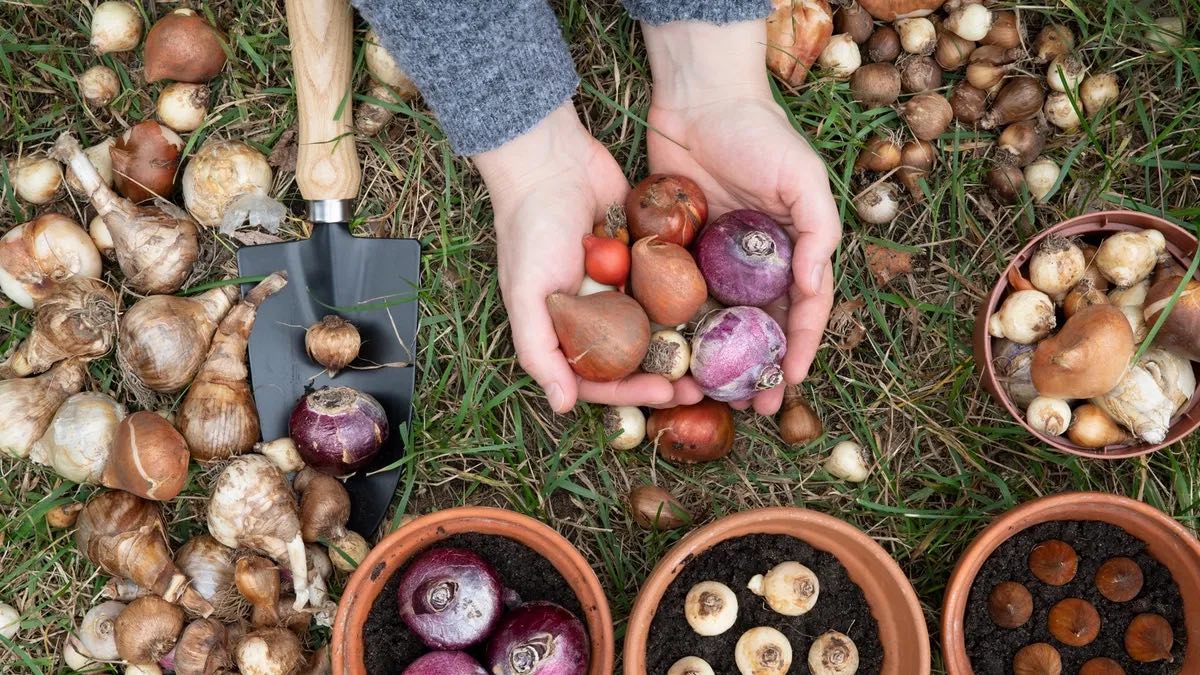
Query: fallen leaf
{"points": [[254, 237], [844, 323], [886, 263], [283, 155]]}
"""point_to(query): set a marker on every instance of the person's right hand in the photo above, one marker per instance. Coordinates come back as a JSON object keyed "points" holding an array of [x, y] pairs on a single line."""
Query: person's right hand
{"points": [[548, 186]]}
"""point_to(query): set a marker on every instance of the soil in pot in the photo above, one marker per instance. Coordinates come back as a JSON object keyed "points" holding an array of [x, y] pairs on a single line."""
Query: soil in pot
{"points": [[992, 648], [840, 606], [389, 646]]}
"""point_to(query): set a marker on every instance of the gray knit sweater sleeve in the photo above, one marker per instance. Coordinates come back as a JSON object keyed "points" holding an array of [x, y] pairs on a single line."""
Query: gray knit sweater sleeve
{"points": [[492, 69], [489, 70], [711, 11]]}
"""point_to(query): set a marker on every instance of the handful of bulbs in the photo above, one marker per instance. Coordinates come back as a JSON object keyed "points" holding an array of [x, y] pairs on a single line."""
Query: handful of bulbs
{"points": [[1066, 337]]}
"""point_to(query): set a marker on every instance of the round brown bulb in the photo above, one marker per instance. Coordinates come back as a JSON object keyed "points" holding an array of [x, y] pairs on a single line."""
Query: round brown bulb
{"points": [[1053, 562], [1074, 622], [1101, 666], [1037, 659], [883, 46], [1119, 579], [1010, 604], [1149, 638], [332, 342]]}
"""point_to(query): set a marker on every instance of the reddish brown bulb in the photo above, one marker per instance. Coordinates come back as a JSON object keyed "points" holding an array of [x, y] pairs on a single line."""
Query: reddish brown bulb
{"points": [[1101, 666], [1010, 604], [1037, 659], [1053, 562], [1074, 622], [1119, 579], [1149, 638]]}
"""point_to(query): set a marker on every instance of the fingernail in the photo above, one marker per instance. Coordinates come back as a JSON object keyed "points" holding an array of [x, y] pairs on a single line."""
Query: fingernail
{"points": [[818, 277], [554, 394]]}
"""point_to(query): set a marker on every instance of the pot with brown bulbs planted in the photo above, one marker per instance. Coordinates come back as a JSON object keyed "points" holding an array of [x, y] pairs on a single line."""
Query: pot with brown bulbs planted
{"points": [[1080, 582]]}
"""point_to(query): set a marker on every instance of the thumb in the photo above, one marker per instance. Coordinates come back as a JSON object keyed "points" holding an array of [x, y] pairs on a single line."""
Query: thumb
{"points": [[537, 349], [816, 225]]}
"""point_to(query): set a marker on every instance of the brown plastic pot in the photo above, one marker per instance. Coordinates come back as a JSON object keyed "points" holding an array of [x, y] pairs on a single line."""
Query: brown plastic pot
{"points": [[1180, 243], [1168, 541], [400, 546], [894, 604]]}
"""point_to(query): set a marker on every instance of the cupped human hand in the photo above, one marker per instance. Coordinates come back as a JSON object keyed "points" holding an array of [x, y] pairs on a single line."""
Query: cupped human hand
{"points": [[548, 187], [713, 119]]}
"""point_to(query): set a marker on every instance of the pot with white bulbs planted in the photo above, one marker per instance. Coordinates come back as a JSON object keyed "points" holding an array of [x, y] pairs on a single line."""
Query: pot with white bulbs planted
{"points": [[771, 591], [1066, 340]]}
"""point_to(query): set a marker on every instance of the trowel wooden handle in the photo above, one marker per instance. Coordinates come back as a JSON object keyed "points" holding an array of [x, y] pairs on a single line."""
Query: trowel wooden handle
{"points": [[322, 36]]}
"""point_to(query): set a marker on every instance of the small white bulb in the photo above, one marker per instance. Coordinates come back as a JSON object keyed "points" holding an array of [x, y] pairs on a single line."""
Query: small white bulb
{"points": [[711, 608], [846, 461], [789, 588], [763, 651]]}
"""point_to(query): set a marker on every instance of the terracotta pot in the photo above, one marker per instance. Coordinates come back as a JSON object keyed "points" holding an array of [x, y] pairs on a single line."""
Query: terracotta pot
{"points": [[1168, 541], [894, 604], [400, 546], [1180, 244]]}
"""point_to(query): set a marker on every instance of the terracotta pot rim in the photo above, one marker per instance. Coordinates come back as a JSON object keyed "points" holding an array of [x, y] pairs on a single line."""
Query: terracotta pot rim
{"points": [[1059, 507], [422, 532], [1180, 243], [799, 520]]}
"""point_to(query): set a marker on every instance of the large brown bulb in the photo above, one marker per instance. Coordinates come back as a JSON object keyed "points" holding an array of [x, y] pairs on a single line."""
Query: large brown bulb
{"points": [[1054, 562], [1119, 579], [1180, 332], [687, 434], [145, 161], [182, 46], [1087, 358], [604, 335], [666, 281], [1037, 659], [149, 458], [1010, 604], [1074, 622], [163, 339], [673, 208]]}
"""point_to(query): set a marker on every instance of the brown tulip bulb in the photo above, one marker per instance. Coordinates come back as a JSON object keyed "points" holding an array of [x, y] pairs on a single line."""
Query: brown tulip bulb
{"points": [[851, 18], [1037, 659], [656, 509], [883, 46], [1006, 183], [1101, 666], [798, 422], [686, 434], [1119, 579], [1074, 622], [968, 103], [671, 207], [149, 458], [1053, 562], [1149, 638], [920, 74], [1010, 604]]}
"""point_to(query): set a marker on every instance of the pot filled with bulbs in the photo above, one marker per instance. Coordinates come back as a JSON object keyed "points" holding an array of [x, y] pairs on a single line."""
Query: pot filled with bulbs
{"points": [[469, 588], [774, 591], [1080, 582], [1083, 341]]}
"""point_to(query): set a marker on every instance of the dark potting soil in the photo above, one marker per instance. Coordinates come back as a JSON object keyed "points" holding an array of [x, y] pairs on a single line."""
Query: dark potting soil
{"points": [[389, 646], [992, 648], [840, 606]]}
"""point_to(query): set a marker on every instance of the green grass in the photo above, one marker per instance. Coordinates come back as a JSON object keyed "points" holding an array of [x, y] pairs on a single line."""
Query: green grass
{"points": [[948, 459]]}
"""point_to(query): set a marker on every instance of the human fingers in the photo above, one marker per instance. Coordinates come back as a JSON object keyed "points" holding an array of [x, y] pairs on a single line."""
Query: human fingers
{"points": [[640, 389], [806, 320]]}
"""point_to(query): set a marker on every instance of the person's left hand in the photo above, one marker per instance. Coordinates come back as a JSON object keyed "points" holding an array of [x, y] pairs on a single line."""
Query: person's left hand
{"points": [[712, 119]]}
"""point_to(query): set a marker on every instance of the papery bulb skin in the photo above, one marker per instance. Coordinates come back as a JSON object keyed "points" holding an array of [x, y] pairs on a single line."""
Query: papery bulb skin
{"points": [[737, 352]]}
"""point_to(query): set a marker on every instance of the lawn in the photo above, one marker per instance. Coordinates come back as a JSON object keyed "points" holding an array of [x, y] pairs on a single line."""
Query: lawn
{"points": [[895, 373]]}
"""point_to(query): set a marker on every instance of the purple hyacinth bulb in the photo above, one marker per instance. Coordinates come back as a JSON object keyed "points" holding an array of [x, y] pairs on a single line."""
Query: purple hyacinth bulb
{"points": [[736, 353], [745, 257], [445, 663]]}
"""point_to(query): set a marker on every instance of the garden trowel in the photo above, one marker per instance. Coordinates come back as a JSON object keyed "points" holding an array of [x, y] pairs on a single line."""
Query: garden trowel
{"points": [[370, 282]]}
